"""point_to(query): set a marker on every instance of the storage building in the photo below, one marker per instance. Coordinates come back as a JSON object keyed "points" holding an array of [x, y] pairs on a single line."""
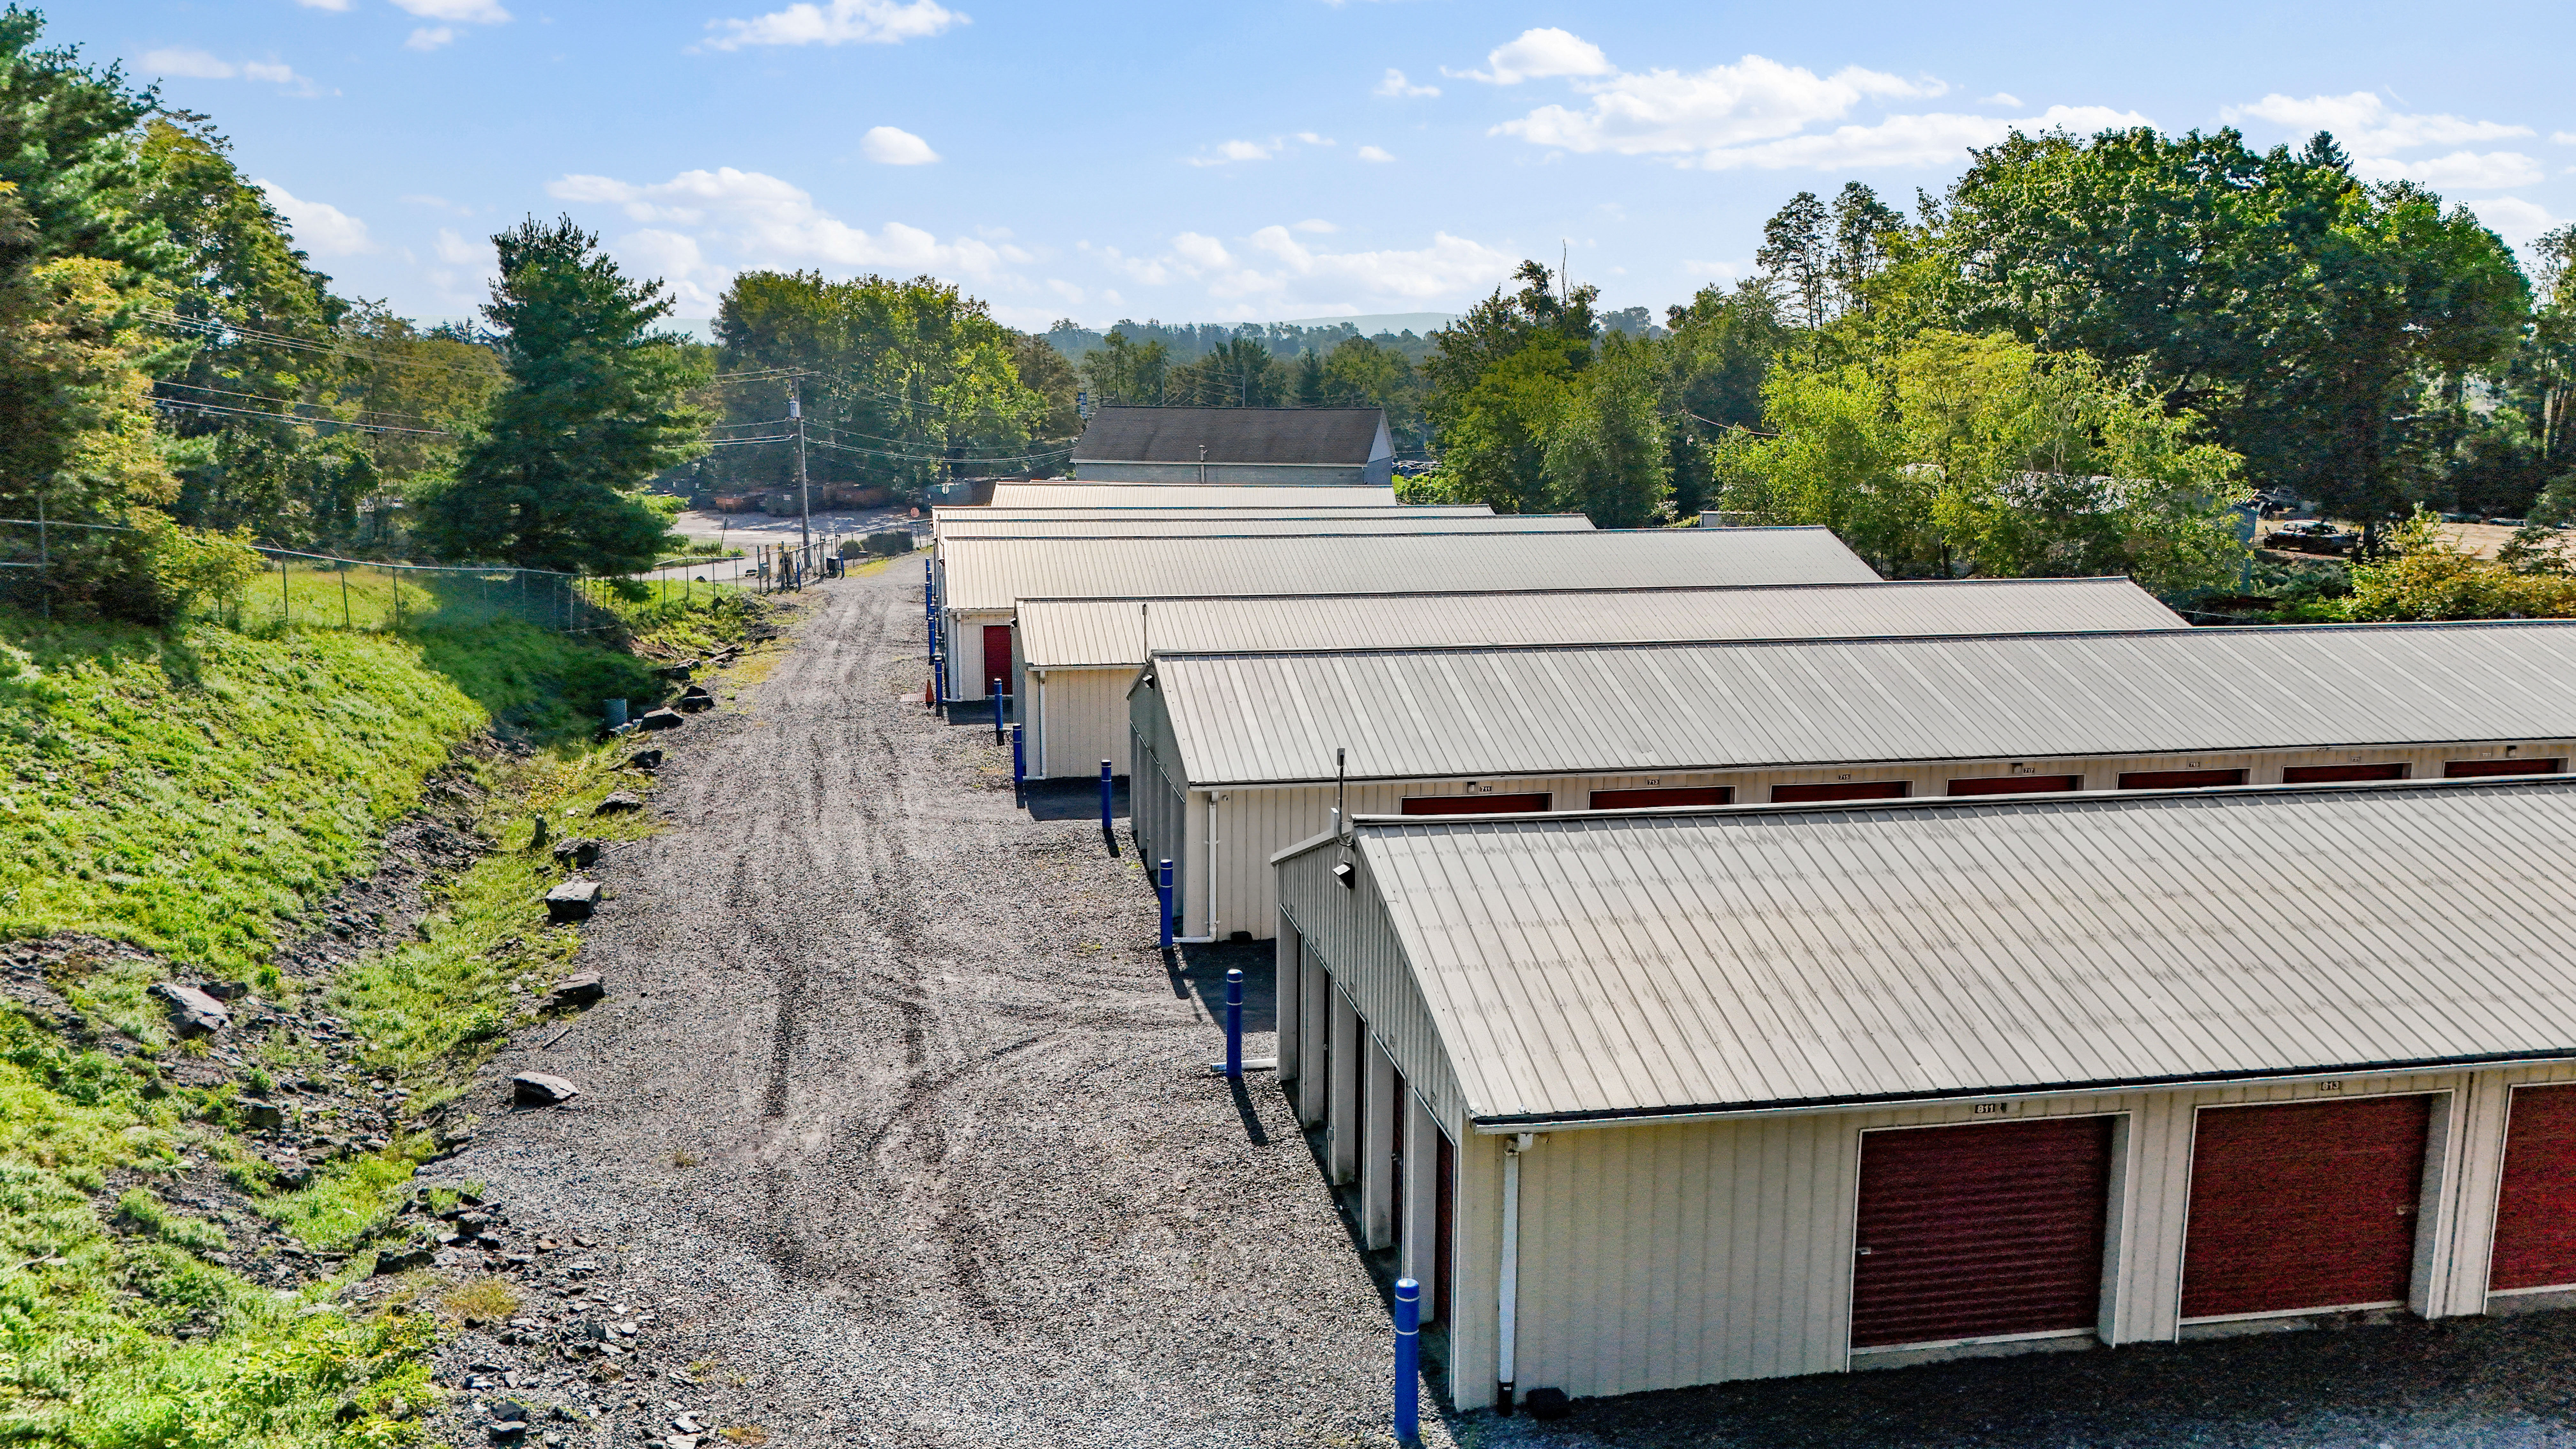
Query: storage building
{"points": [[1656, 1100], [1234, 753], [1065, 493], [1226, 523], [1079, 657], [982, 580], [1237, 447]]}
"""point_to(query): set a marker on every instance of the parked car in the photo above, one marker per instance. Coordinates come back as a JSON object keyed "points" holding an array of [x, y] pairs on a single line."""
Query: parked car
{"points": [[2313, 536]]}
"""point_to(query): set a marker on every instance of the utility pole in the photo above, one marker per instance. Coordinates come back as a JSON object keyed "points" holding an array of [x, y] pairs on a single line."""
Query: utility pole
{"points": [[804, 495]]}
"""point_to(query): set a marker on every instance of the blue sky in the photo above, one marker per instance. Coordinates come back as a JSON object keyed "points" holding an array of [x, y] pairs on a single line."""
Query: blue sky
{"points": [[1261, 160]]}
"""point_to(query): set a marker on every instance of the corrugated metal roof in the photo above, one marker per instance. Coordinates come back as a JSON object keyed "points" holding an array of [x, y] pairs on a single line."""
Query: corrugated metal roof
{"points": [[1234, 526], [1600, 966], [1344, 436], [1056, 634], [1428, 714], [994, 573], [971, 513], [1214, 495]]}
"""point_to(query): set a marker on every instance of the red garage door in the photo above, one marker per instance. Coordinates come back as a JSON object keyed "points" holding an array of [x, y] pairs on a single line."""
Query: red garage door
{"points": [[2535, 1222], [2179, 779], [997, 658], [1980, 1231], [2016, 784], [1472, 804], [2304, 1205], [1851, 790], [1657, 799]]}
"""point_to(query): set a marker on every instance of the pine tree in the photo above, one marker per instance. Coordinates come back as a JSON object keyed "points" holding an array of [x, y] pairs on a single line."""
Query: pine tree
{"points": [[596, 404]]}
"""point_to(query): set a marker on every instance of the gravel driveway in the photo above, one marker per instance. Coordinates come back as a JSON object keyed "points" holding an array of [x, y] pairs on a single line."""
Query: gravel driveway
{"points": [[895, 1113], [894, 1130]]}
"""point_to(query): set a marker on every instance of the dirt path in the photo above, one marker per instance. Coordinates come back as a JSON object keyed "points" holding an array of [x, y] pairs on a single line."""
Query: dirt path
{"points": [[896, 1116]]}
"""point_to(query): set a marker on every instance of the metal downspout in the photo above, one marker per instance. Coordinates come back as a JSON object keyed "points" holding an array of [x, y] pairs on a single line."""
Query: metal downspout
{"points": [[1508, 1293]]}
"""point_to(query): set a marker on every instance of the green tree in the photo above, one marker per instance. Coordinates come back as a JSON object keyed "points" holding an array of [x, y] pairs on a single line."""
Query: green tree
{"points": [[1237, 373], [2301, 312], [1126, 373], [1603, 452], [1717, 352], [596, 404], [1983, 455], [1046, 374], [1797, 249]]}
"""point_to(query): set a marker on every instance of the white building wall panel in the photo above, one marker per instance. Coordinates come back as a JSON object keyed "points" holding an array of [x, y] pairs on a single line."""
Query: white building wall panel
{"points": [[1261, 820], [1079, 718]]}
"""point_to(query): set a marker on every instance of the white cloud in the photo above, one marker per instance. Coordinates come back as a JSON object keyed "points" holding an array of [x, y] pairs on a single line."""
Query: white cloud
{"points": [[1226, 153], [204, 65], [456, 251], [1537, 54], [2563, 138], [430, 37], [319, 227], [2518, 221], [888, 146], [2001, 98], [1317, 225], [1065, 289], [1449, 267], [838, 22], [704, 225], [1374, 153], [2364, 123], [193, 64], [1663, 111], [461, 12], [1934, 139], [1396, 87], [2475, 171], [324, 4], [1203, 252]]}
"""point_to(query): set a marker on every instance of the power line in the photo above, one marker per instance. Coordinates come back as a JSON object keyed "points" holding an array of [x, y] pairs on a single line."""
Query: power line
{"points": [[280, 339], [289, 402], [190, 405]]}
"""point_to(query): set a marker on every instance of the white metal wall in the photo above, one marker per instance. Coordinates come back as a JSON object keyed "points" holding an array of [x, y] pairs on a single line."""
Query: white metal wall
{"points": [[1257, 822], [1663, 1256], [1078, 718]]}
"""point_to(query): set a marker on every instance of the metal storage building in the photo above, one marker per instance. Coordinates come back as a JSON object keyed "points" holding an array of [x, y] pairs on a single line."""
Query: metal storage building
{"points": [[1656, 1100], [1234, 753], [1066, 493], [1246, 447], [982, 580], [1079, 657]]}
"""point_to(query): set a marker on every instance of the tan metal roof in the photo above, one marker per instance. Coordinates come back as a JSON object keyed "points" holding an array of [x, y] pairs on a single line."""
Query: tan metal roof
{"points": [[1427, 714], [1164, 495], [1065, 633], [992, 574], [1234, 526], [970, 513], [1600, 966]]}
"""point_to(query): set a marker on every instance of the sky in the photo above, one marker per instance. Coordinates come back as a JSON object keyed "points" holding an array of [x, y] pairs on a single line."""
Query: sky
{"points": [[1265, 159]]}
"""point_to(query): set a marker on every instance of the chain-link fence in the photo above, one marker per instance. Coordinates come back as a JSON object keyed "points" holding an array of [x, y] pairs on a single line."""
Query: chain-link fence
{"points": [[327, 591]]}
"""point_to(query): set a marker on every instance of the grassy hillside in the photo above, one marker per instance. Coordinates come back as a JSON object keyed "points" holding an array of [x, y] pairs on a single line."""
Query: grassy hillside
{"points": [[194, 795]]}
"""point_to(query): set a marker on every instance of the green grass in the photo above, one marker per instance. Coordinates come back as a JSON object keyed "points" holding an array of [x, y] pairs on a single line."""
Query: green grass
{"points": [[194, 794]]}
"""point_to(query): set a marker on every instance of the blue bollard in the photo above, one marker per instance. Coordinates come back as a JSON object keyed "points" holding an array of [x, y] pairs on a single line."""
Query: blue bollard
{"points": [[997, 711], [1108, 826], [938, 678], [1408, 1361], [1163, 900], [1233, 1022], [1019, 760]]}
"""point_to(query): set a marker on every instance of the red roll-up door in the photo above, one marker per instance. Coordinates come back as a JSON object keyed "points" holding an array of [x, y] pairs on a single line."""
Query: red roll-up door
{"points": [[1472, 804], [2179, 779], [2336, 774], [1980, 1231], [2303, 1205], [1673, 795], [1852, 790], [1444, 1230], [2016, 784], [2479, 769], [997, 657], [2535, 1222]]}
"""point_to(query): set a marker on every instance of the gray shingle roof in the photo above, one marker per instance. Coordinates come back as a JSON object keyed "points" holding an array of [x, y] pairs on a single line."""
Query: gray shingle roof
{"points": [[1599, 967], [1343, 436], [1428, 714]]}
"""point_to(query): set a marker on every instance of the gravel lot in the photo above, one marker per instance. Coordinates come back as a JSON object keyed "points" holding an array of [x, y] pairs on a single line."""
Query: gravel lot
{"points": [[895, 1130], [895, 1112]]}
